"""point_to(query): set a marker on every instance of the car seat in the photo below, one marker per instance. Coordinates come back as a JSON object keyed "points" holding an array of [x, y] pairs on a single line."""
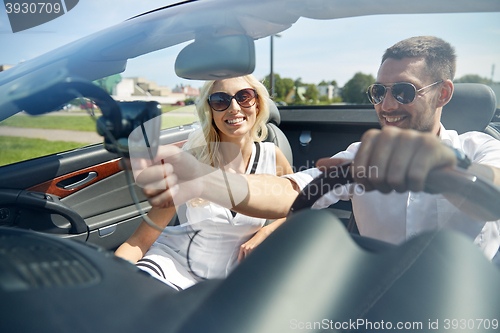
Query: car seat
{"points": [[275, 134], [471, 109]]}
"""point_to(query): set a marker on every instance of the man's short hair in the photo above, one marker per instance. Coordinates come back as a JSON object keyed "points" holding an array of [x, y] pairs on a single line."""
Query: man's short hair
{"points": [[438, 54]]}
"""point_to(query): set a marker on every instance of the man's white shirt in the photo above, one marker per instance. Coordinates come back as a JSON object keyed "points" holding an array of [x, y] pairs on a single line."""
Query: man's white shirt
{"points": [[397, 217]]}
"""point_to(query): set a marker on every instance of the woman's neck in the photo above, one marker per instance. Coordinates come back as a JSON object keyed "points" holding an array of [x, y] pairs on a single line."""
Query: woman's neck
{"points": [[231, 148]]}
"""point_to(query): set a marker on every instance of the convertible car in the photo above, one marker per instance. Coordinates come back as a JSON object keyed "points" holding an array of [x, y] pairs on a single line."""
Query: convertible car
{"points": [[63, 215]]}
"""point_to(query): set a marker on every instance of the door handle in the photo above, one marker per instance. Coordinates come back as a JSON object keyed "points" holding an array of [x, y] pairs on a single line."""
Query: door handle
{"points": [[90, 176]]}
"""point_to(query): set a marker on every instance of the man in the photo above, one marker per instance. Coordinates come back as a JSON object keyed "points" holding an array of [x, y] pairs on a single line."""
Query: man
{"points": [[414, 82]]}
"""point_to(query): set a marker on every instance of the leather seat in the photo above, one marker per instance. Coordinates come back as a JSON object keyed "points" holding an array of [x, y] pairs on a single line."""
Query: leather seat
{"points": [[275, 134], [471, 109]]}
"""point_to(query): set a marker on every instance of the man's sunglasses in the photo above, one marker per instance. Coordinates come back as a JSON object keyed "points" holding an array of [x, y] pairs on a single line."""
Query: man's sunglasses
{"points": [[403, 92], [220, 101]]}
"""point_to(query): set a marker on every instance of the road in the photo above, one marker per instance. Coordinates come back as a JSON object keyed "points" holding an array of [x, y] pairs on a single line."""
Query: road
{"points": [[64, 135], [52, 134]]}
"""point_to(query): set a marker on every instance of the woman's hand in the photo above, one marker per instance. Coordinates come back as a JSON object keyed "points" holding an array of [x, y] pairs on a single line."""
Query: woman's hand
{"points": [[258, 238]]}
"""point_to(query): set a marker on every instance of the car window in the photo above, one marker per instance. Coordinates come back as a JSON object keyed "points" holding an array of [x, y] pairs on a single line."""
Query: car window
{"points": [[23, 136], [72, 126]]}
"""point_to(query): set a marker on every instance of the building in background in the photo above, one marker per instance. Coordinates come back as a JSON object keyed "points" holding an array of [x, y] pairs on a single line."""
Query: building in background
{"points": [[190, 92], [330, 91], [139, 88]]}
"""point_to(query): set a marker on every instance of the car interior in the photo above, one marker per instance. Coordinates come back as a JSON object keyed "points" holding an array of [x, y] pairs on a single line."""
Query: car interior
{"points": [[63, 215]]}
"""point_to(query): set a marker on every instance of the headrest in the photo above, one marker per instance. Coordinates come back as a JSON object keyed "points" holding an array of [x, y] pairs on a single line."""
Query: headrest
{"points": [[274, 113], [470, 109]]}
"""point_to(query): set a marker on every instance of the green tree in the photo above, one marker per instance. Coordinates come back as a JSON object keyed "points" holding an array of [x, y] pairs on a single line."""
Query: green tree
{"points": [[473, 78], [277, 81], [267, 83], [281, 86], [355, 89], [298, 82], [288, 85], [327, 83], [312, 93]]}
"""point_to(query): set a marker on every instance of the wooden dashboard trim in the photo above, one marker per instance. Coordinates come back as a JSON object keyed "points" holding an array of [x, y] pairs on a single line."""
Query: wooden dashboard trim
{"points": [[103, 170]]}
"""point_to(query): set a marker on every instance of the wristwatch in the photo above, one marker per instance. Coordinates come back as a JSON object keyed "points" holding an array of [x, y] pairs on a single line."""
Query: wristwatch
{"points": [[462, 160]]}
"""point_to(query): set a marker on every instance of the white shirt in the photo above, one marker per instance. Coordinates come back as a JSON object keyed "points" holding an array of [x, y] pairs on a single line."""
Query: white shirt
{"points": [[397, 217]]}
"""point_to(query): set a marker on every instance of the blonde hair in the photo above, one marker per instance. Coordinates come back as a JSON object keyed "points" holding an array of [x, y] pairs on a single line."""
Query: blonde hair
{"points": [[204, 142]]}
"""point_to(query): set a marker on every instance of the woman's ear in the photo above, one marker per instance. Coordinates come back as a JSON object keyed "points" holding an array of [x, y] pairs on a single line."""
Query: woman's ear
{"points": [[445, 93]]}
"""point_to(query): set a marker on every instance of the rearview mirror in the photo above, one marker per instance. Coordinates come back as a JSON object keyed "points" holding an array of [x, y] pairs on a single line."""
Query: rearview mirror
{"points": [[216, 58]]}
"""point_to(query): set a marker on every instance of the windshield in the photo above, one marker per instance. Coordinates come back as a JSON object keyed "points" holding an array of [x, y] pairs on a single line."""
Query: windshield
{"points": [[314, 62], [84, 91]]}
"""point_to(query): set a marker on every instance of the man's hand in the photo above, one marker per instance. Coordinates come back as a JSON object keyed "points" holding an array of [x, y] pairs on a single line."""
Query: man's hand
{"points": [[396, 159], [402, 159], [173, 174]]}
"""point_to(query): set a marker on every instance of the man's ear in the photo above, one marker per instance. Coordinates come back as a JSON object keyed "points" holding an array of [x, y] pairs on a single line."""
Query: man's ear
{"points": [[445, 93]]}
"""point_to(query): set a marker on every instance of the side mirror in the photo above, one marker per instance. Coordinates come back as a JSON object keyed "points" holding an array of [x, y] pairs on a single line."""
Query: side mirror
{"points": [[217, 58]]}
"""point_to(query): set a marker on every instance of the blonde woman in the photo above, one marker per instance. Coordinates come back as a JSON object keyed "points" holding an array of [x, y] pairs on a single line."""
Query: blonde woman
{"points": [[233, 113]]}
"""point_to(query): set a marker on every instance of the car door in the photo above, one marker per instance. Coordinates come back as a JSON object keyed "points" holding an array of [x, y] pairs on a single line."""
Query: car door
{"points": [[81, 194]]}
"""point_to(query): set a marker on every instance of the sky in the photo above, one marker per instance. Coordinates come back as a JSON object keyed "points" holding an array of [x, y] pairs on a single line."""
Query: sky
{"points": [[327, 50]]}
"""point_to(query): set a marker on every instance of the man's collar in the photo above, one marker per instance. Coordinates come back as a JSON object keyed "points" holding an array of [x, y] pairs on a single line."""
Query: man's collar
{"points": [[442, 132], [446, 136]]}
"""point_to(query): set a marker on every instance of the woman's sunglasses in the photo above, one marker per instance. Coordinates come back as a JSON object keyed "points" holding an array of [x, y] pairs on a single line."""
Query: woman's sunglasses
{"points": [[403, 92], [220, 101]]}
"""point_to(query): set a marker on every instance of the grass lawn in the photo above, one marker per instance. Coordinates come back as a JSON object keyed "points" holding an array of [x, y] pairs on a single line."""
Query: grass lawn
{"points": [[178, 109], [75, 123], [16, 149], [80, 123], [167, 122]]}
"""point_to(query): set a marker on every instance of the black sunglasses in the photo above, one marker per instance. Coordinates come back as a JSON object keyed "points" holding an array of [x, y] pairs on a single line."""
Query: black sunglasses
{"points": [[403, 92], [220, 101]]}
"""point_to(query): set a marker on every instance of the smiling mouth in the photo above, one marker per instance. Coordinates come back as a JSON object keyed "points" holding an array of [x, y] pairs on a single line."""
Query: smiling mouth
{"points": [[394, 120], [235, 121]]}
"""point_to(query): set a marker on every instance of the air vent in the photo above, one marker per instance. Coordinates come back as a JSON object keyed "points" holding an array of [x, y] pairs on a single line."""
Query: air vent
{"points": [[30, 261]]}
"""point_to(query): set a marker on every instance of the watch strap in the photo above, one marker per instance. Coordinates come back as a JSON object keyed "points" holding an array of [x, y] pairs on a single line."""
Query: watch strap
{"points": [[462, 160]]}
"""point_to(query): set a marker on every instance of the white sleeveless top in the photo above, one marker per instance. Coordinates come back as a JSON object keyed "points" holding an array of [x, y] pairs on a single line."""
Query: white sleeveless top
{"points": [[213, 252]]}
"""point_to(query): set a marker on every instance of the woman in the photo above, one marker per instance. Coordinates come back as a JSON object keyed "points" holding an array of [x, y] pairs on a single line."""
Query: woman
{"points": [[233, 113]]}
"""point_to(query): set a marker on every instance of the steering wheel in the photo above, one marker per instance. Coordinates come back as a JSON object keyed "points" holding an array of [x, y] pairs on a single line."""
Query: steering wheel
{"points": [[454, 181]]}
